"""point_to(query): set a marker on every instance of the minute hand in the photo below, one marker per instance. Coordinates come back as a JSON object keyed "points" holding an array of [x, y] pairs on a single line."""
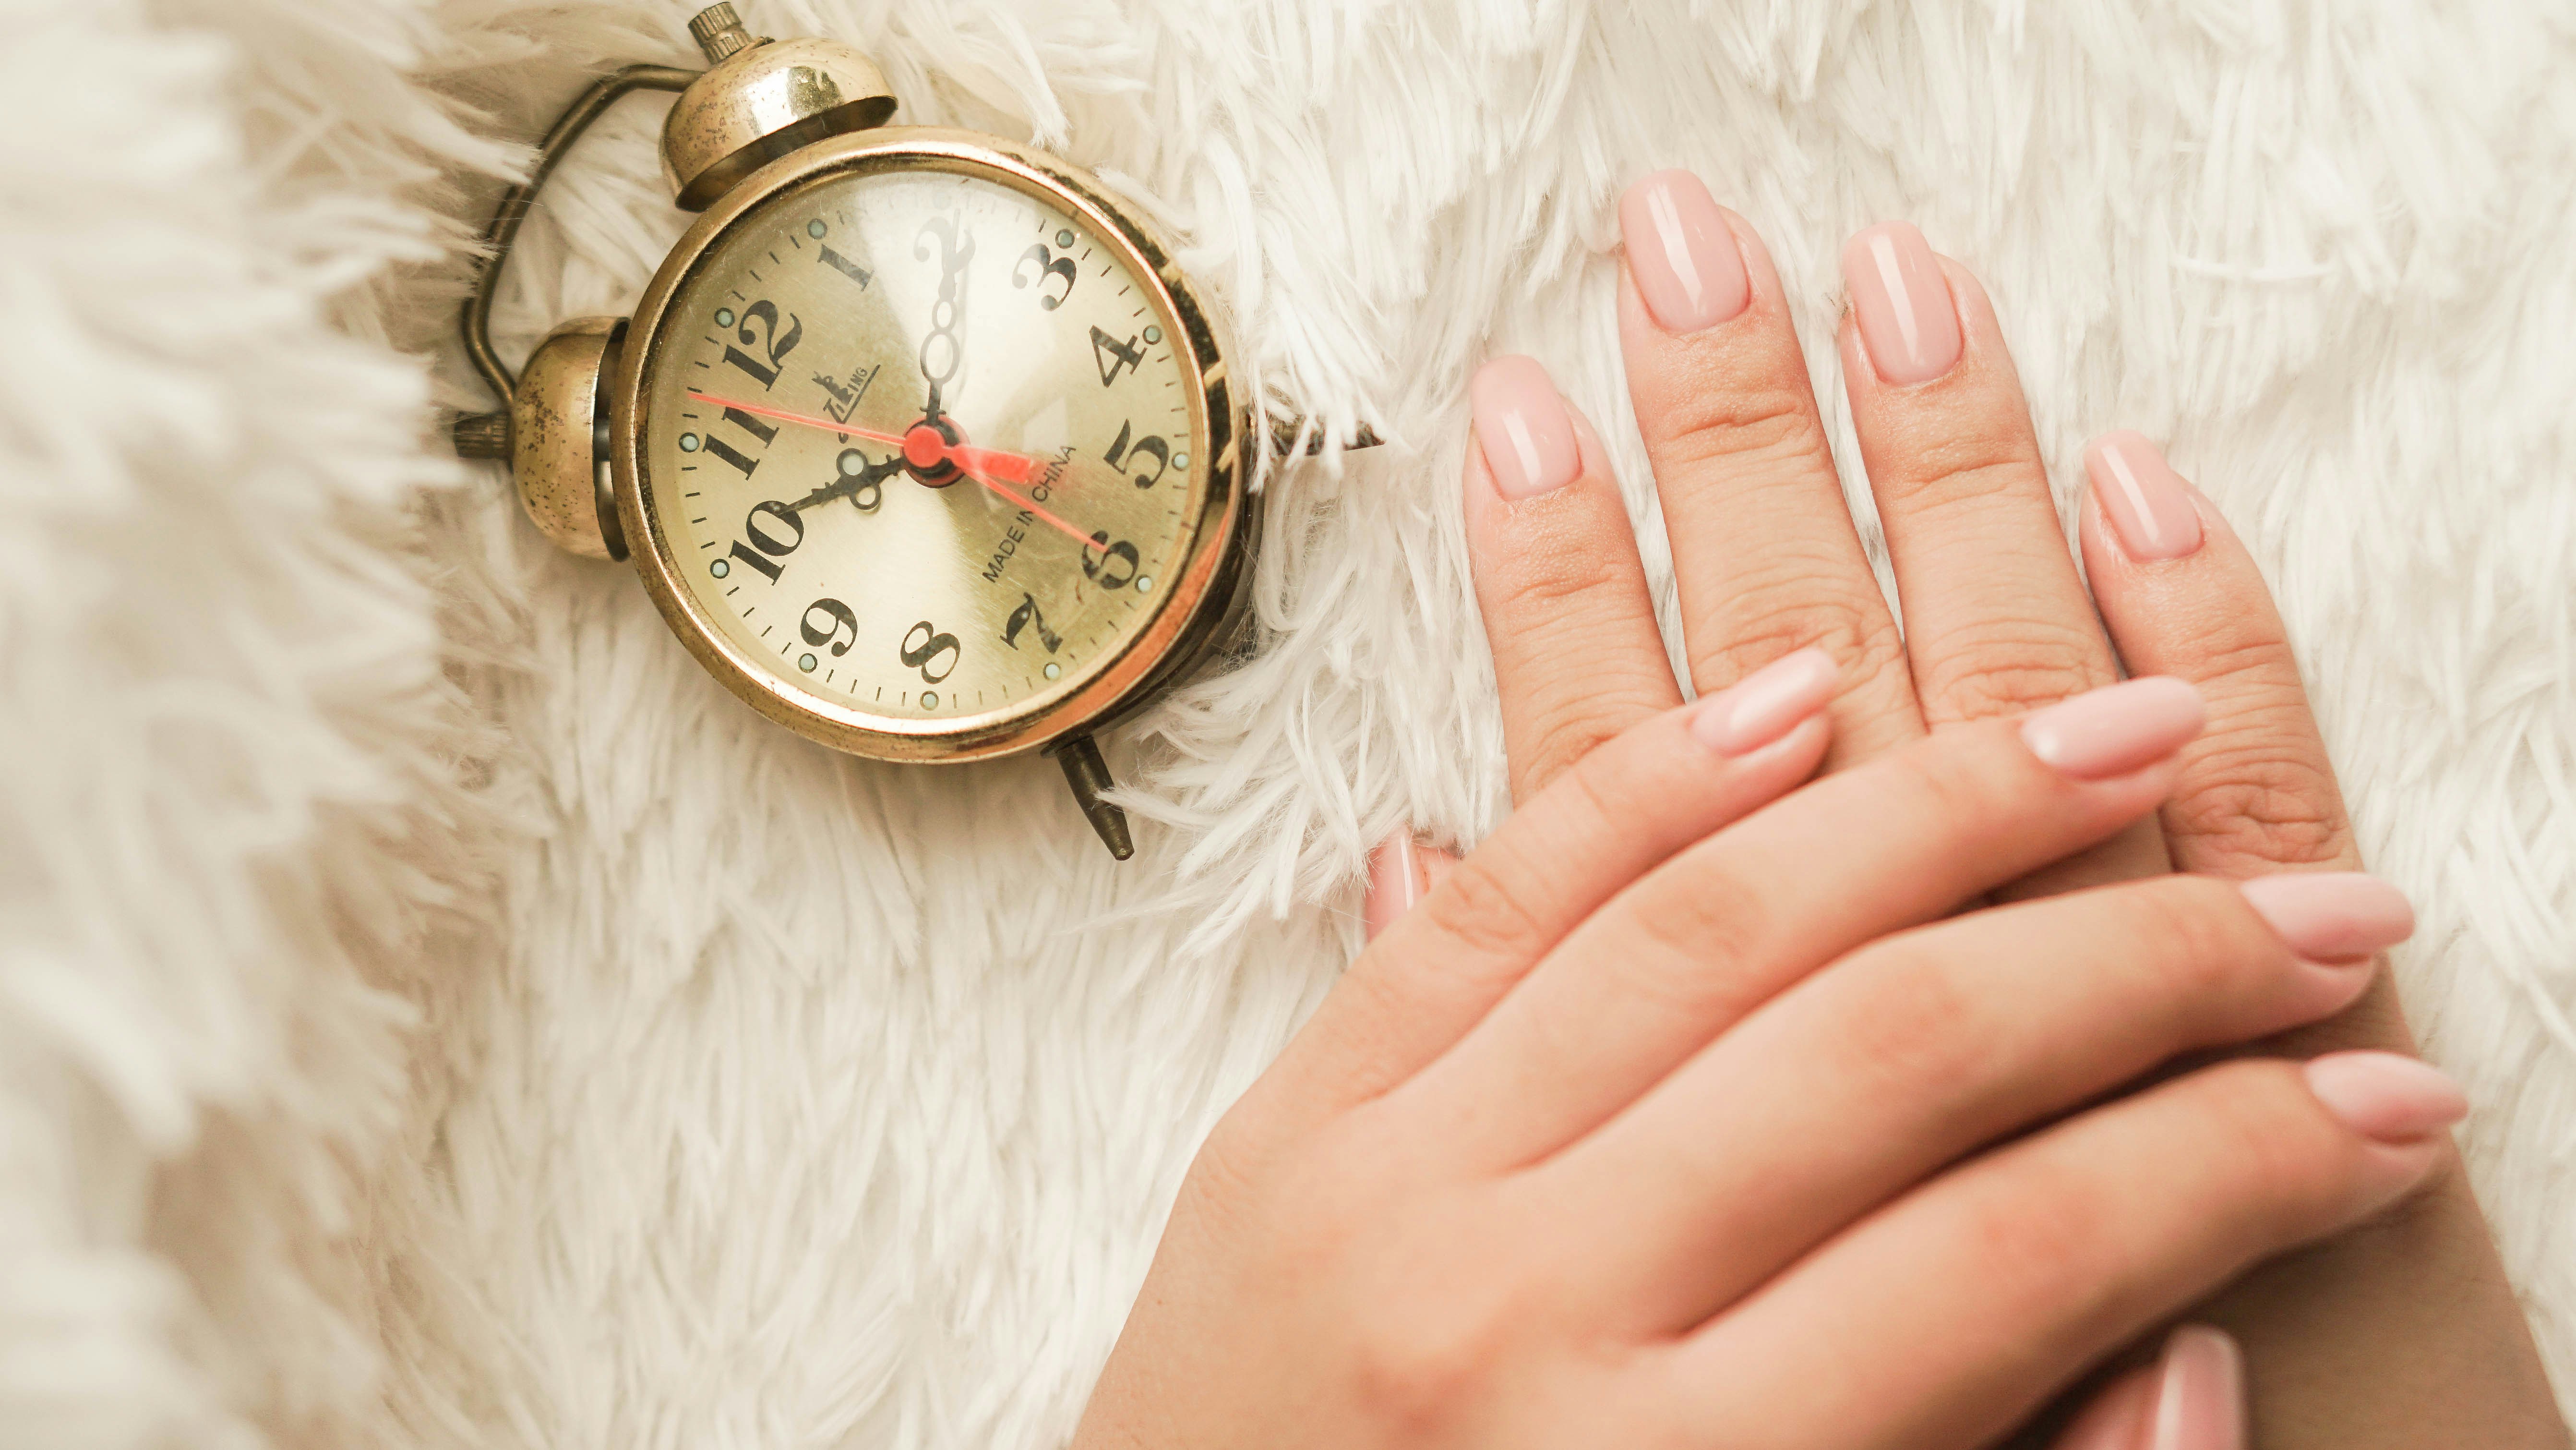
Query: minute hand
{"points": [[991, 462]]}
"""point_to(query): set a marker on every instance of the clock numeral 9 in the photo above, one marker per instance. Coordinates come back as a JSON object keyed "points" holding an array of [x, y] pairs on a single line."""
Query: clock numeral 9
{"points": [[770, 340], [1049, 265], [1113, 356], [923, 645], [1115, 565], [1121, 450], [837, 621], [771, 547]]}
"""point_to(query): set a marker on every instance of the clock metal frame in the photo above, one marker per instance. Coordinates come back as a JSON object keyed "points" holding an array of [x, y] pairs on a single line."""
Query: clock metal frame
{"points": [[1195, 613]]}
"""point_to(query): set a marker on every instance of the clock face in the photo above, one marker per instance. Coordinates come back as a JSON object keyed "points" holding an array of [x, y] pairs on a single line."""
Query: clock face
{"points": [[922, 446]]}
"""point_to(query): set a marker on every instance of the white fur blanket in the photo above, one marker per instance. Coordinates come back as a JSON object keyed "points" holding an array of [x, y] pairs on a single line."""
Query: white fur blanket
{"points": [[433, 1013]]}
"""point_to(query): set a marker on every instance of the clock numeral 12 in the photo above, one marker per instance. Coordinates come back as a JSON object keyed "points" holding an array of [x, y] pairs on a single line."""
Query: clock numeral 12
{"points": [[774, 342]]}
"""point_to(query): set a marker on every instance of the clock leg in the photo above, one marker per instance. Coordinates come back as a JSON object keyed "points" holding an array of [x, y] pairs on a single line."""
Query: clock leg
{"points": [[1088, 774]]}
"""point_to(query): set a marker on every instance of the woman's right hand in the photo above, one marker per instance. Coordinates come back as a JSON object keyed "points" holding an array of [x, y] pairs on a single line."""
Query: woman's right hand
{"points": [[1679, 1115]]}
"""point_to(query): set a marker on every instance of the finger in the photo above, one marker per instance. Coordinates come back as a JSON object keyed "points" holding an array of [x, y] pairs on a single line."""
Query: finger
{"points": [[1683, 955], [2192, 1398], [1617, 813], [1765, 559], [2182, 597], [1996, 620], [2115, 1419], [1402, 871], [1918, 1049], [1950, 1315], [1577, 658]]}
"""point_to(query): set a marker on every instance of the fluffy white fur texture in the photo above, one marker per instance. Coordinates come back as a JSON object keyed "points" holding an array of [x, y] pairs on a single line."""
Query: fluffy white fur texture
{"points": [[433, 1013]]}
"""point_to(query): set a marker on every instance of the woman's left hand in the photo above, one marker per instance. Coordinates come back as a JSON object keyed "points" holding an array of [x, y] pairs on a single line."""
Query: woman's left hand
{"points": [[2402, 1336]]}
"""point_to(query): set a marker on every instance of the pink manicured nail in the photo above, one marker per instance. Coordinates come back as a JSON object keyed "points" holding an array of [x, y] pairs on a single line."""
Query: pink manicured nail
{"points": [[2387, 1097], [1521, 425], [2116, 729], [2332, 916], [1902, 303], [2200, 1393], [1684, 257], [1397, 879], [1766, 704], [2148, 507]]}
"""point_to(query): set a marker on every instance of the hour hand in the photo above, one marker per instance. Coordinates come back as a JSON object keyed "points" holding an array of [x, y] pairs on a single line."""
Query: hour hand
{"points": [[848, 484]]}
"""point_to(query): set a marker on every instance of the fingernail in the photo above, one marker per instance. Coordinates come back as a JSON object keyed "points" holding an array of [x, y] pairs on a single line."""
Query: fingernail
{"points": [[1902, 303], [1682, 253], [2142, 496], [2332, 916], [2387, 1097], [1400, 872], [2116, 729], [1766, 704], [2200, 1393], [1522, 427]]}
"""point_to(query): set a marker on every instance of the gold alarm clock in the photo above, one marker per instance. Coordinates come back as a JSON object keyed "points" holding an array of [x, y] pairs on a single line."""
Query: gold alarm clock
{"points": [[919, 440]]}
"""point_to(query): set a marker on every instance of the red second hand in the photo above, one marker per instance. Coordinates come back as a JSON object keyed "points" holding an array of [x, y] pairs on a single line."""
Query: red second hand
{"points": [[1017, 467], [973, 462]]}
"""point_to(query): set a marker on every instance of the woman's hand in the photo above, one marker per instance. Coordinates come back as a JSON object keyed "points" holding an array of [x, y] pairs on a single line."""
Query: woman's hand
{"points": [[1675, 1118], [2404, 1336]]}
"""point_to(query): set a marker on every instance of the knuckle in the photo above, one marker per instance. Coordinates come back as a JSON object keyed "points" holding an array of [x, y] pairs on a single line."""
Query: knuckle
{"points": [[1758, 428], [2013, 667], [1946, 792], [1690, 931], [1922, 1025], [1479, 911], [1565, 731], [1789, 608], [1962, 468], [1427, 1354], [2193, 929], [2258, 804], [2276, 1167], [2037, 1246]]}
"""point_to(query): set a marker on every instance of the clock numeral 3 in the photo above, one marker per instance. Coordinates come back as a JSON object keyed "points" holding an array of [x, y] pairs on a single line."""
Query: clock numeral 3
{"points": [[775, 343], [1049, 265], [1023, 617], [923, 645], [837, 622], [1121, 450], [1115, 565], [766, 548], [1114, 356]]}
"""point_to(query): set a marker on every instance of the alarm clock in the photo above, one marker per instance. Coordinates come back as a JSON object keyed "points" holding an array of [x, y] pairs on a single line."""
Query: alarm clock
{"points": [[918, 439]]}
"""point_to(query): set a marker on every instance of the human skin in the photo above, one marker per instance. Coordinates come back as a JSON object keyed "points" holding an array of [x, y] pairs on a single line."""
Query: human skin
{"points": [[1678, 1091], [2401, 1334]]}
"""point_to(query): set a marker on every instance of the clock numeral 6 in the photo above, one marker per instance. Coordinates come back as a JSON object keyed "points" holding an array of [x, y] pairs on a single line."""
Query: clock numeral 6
{"points": [[771, 546], [770, 340], [923, 645], [1120, 451], [1115, 565], [837, 621], [1113, 356], [1049, 265]]}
